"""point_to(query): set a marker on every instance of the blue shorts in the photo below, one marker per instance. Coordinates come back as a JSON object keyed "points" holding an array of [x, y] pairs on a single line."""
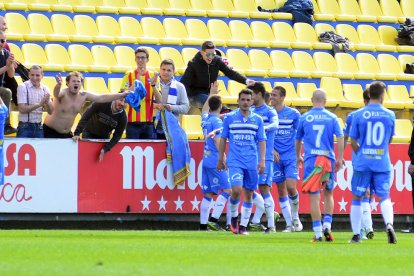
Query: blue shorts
{"points": [[381, 183], [214, 180], [266, 177], [310, 165], [243, 177], [285, 169]]}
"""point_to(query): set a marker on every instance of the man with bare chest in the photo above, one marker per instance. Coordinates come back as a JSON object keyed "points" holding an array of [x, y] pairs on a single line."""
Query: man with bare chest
{"points": [[68, 103]]}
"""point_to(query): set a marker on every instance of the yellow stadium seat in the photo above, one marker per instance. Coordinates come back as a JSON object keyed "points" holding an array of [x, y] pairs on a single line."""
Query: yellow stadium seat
{"points": [[144, 7], [130, 27], [153, 28], [283, 65], [114, 85], [372, 7], [367, 63], [271, 4], [319, 15], [304, 91], [81, 58], [390, 65], [351, 7], [125, 56], [55, 5], [14, 119], [175, 55], [387, 35], [16, 5], [290, 92], [227, 5], [331, 7], [77, 7], [96, 85], [346, 30], [57, 54], [63, 25], [325, 62], [192, 126], [104, 57], [197, 29], [108, 26], [263, 32], [186, 6], [241, 31], [353, 92], [76, 122], [234, 88], [166, 7], [120, 6], [369, 35], [404, 60], [399, 93], [188, 54], [40, 24], [46, 5], [323, 27], [208, 7], [334, 90], [18, 28], [176, 29], [347, 65], [306, 34], [154, 59], [251, 8], [407, 7], [285, 36], [403, 130], [18, 55], [86, 26], [50, 82], [35, 55], [100, 6], [303, 62], [388, 103], [226, 97], [392, 8], [260, 61], [221, 35], [239, 59]]}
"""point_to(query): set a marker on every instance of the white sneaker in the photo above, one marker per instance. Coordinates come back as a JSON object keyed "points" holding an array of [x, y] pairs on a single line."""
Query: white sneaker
{"points": [[288, 229], [297, 225]]}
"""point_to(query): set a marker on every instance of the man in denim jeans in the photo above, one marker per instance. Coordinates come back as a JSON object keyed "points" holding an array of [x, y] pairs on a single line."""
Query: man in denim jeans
{"points": [[32, 97]]}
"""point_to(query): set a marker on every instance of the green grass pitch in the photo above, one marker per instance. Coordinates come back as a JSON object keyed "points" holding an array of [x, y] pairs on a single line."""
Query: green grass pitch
{"points": [[74, 252]]}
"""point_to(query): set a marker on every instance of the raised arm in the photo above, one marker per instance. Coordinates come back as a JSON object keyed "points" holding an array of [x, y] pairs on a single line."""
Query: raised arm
{"points": [[105, 98]]}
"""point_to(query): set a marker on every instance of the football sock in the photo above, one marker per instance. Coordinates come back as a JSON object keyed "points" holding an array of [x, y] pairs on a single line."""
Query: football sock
{"points": [[317, 228], [387, 211], [327, 221], [294, 205], [246, 211], [286, 211], [269, 204], [366, 214], [219, 206], [234, 207], [355, 215], [204, 210]]}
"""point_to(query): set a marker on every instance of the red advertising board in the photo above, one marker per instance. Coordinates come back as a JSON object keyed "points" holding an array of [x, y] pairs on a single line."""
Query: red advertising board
{"points": [[135, 177]]}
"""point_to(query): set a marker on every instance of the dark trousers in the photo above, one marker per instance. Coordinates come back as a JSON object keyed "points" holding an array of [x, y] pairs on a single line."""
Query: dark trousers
{"points": [[49, 132], [138, 130], [30, 130]]}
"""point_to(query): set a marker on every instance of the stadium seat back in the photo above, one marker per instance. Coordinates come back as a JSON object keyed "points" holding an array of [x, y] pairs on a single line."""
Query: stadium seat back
{"points": [[387, 34], [325, 62], [108, 26], [152, 27], [188, 54], [391, 8], [259, 59], [329, 7], [281, 60], [175, 28], [85, 25], [80, 54], [398, 93], [192, 126], [283, 32], [103, 56], [305, 90], [39, 24], [34, 54], [175, 55], [404, 60], [403, 130], [347, 30], [125, 56], [349, 7], [389, 64], [57, 54], [353, 92], [130, 26], [367, 63], [17, 23], [114, 85], [239, 59], [234, 87], [96, 85], [262, 31], [407, 7], [346, 63], [305, 33], [154, 59], [219, 31], [240, 30], [370, 7], [18, 55], [63, 24], [197, 29], [368, 35], [290, 89], [303, 61], [333, 88], [323, 27]]}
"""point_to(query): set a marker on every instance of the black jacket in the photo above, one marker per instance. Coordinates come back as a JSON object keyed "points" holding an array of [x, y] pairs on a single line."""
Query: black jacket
{"points": [[199, 75]]}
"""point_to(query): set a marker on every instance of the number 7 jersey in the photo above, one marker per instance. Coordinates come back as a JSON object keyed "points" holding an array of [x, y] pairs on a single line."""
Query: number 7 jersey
{"points": [[317, 128], [372, 127]]}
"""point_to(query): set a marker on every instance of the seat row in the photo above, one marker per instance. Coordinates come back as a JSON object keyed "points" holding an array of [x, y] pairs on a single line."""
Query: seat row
{"points": [[236, 33], [279, 64], [329, 10]]}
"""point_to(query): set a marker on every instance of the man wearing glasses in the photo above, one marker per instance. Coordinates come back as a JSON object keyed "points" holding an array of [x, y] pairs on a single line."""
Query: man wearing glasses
{"points": [[203, 70], [6, 67], [140, 125]]}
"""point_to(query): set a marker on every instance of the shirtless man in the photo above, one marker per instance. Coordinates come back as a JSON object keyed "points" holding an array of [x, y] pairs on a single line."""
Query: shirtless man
{"points": [[68, 103]]}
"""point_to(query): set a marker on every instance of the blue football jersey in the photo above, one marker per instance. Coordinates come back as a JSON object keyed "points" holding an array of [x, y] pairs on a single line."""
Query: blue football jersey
{"points": [[317, 128], [209, 123], [286, 133], [271, 121], [4, 113], [243, 134], [373, 127]]}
